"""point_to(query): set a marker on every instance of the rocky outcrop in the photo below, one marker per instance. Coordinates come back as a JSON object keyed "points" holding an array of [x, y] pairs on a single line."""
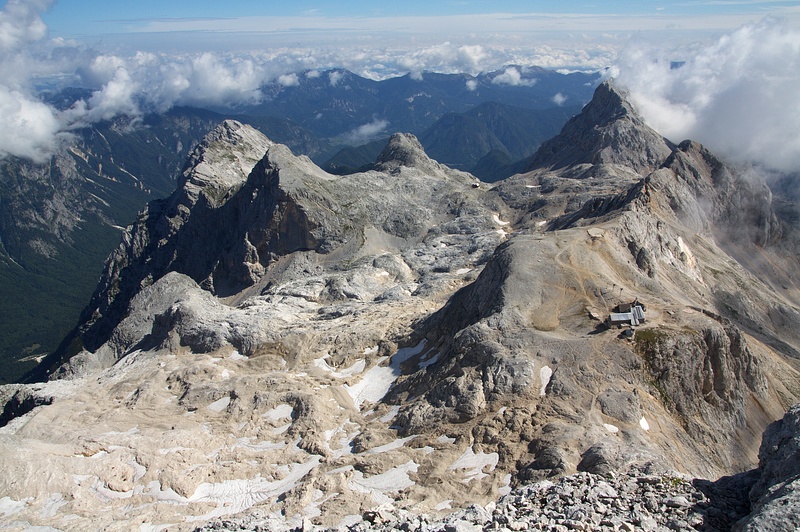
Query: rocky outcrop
{"points": [[775, 498], [244, 202], [737, 200]]}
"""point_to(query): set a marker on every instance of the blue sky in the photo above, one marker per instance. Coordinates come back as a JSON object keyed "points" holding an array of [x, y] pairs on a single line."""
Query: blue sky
{"points": [[93, 19]]}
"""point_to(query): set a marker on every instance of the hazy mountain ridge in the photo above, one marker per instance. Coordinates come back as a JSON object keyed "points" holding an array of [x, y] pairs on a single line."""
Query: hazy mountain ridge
{"points": [[490, 141], [409, 336], [336, 102]]}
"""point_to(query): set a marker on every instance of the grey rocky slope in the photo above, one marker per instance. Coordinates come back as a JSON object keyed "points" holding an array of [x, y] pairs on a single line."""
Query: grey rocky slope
{"points": [[276, 339]]}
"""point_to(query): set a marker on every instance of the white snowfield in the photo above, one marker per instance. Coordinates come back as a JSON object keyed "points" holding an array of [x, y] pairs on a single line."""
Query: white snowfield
{"points": [[378, 380], [234, 496], [475, 464], [544, 376], [378, 486]]}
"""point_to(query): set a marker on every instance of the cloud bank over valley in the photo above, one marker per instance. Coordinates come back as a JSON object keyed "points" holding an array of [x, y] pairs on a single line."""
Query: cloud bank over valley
{"points": [[735, 92]]}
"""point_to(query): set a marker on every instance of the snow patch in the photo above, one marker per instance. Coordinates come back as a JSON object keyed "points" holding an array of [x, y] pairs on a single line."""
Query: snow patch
{"points": [[376, 382], [150, 527], [431, 360], [611, 428], [391, 414], [444, 505], [281, 430], [9, 506], [281, 411], [235, 355], [220, 404], [139, 470], [462, 271], [644, 424], [104, 493], [498, 221], [348, 521], [155, 490], [172, 450], [259, 446], [355, 369], [234, 496], [544, 376], [52, 504], [396, 444], [391, 481], [505, 489], [475, 463], [445, 439]]}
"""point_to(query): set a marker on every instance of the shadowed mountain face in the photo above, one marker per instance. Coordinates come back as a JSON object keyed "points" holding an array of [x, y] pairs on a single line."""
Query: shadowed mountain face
{"points": [[276, 340]]}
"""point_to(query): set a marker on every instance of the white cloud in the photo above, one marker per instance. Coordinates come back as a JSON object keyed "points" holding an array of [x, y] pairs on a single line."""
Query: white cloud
{"points": [[28, 127], [335, 77], [511, 76], [368, 131], [21, 23], [472, 84], [738, 95], [289, 80], [443, 57], [559, 99]]}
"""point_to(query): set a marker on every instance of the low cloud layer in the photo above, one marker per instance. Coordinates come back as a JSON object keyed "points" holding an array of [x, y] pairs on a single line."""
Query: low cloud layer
{"points": [[739, 95], [368, 131], [143, 82], [512, 76]]}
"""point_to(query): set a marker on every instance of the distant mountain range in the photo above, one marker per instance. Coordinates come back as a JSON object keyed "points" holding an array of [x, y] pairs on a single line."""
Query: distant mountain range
{"points": [[59, 220], [490, 140], [335, 103]]}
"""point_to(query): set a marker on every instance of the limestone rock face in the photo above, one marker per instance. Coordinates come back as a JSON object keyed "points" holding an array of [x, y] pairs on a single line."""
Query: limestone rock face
{"points": [[277, 341]]}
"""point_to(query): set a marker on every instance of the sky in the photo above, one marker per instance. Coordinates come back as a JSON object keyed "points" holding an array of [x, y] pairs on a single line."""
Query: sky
{"points": [[87, 18], [736, 91]]}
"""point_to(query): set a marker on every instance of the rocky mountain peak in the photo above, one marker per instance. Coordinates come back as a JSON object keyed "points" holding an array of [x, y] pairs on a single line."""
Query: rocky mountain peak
{"points": [[404, 149], [607, 131], [222, 161], [609, 103]]}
